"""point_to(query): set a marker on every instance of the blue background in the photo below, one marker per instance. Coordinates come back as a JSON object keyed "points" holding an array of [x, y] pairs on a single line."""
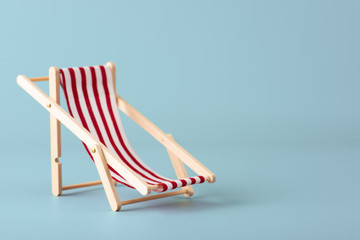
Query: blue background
{"points": [[264, 93]]}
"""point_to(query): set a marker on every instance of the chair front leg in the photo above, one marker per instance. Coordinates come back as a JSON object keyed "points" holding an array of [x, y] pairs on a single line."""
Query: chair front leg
{"points": [[105, 177]]}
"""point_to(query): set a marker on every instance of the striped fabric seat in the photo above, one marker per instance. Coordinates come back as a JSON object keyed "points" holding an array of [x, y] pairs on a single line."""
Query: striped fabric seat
{"points": [[91, 100]]}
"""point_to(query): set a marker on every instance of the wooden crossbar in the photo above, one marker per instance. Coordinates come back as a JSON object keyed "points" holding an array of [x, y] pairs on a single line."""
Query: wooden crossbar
{"points": [[80, 185], [98, 182], [39, 79], [153, 197]]}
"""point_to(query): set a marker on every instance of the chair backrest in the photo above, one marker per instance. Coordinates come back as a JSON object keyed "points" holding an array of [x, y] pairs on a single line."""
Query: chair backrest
{"points": [[91, 100]]}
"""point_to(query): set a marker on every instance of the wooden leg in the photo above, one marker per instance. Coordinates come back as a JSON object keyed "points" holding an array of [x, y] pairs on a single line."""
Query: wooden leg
{"points": [[105, 177], [55, 134], [180, 170]]}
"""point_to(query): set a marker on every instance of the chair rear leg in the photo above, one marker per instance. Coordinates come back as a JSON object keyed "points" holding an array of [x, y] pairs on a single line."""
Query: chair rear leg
{"points": [[55, 133]]}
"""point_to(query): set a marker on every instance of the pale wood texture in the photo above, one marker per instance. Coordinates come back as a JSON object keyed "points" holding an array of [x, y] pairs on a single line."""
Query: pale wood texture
{"points": [[155, 187], [111, 65], [171, 145], [81, 185], [39, 79], [180, 170], [55, 134], [106, 179], [86, 184], [153, 197], [133, 178]]}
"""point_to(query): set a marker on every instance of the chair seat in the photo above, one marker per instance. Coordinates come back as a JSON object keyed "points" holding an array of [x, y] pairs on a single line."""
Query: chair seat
{"points": [[91, 100]]}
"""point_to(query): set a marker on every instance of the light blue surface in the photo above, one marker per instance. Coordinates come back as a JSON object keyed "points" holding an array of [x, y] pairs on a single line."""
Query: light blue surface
{"points": [[264, 93]]}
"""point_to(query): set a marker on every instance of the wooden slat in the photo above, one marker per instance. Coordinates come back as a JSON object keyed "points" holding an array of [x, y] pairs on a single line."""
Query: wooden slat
{"points": [[81, 185], [39, 79], [111, 65]]}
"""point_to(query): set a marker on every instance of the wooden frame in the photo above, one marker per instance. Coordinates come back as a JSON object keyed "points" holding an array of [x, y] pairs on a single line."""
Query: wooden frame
{"points": [[102, 155]]}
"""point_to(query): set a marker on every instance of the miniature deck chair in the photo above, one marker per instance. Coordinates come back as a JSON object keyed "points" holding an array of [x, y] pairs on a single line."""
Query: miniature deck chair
{"points": [[94, 119]]}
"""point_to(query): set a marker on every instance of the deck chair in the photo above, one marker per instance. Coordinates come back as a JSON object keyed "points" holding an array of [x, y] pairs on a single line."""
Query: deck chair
{"points": [[94, 118]]}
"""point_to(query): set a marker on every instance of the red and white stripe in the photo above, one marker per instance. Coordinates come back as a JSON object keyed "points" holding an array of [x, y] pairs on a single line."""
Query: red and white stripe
{"points": [[91, 100]]}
